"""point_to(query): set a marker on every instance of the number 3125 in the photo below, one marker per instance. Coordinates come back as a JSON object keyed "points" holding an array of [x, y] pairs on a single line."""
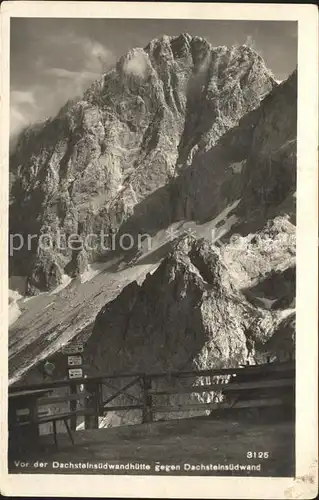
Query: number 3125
{"points": [[257, 454]]}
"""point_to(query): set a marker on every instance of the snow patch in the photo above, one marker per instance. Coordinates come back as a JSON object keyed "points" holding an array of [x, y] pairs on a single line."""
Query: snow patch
{"points": [[207, 230], [16, 292], [66, 280], [136, 65], [286, 312], [14, 296], [267, 303], [28, 298], [49, 305], [14, 312], [92, 271]]}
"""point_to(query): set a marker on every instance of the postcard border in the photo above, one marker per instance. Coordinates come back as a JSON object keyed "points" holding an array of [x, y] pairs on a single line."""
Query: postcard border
{"points": [[307, 263]]}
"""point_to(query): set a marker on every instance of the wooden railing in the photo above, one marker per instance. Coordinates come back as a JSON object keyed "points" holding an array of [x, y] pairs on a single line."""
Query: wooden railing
{"points": [[246, 387]]}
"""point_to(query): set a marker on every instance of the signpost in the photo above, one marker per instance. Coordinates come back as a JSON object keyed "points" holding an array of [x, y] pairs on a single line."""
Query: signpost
{"points": [[75, 369], [44, 412], [74, 360], [23, 412], [72, 348], [75, 373]]}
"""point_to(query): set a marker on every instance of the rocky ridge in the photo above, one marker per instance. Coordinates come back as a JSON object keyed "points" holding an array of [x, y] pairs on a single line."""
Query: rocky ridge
{"points": [[193, 313], [191, 309], [86, 170]]}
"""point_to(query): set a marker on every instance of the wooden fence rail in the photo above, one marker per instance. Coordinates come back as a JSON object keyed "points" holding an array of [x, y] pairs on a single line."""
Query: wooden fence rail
{"points": [[225, 387], [253, 369]]}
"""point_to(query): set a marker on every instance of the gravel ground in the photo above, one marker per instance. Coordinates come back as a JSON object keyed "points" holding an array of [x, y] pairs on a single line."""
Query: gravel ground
{"points": [[175, 443]]}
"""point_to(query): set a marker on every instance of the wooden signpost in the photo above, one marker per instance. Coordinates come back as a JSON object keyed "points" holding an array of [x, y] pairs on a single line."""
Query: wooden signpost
{"points": [[75, 373], [74, 360], [75, 370], [75, 348]]}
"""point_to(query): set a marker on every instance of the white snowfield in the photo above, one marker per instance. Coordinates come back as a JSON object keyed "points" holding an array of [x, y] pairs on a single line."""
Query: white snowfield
{"points": [[55, 318]]}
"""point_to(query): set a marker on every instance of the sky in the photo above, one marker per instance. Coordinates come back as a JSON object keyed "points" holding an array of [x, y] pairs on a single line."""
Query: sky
{"points": [[53, 60]]}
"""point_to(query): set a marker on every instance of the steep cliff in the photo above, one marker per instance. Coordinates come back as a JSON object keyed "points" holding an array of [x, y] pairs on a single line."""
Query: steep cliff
{"points": [[87, 169]]}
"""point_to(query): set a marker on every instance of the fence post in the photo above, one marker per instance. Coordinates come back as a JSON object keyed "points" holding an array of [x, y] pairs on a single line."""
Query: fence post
{"points": [[147, 400], [73, 406], [92, 402]]}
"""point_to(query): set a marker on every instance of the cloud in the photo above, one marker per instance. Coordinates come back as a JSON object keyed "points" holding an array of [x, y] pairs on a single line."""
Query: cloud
{"points": [[204, 65], [23, 109], [84, 62], [22, 97], [98, 57], [17, 120], [63, 73], [136, 65], [63, 69], [65, 85], [97, 52], [90, 54], [250, 42]]}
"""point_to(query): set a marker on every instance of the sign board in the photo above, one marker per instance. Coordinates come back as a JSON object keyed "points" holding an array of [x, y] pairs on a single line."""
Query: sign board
{"points": [[44, 412], [22, 412], [72, 349], [75, 373], [75, 360]]}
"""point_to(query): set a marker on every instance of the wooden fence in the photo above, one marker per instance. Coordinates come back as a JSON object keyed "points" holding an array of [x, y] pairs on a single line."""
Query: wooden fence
{"points": [[247, 387]]}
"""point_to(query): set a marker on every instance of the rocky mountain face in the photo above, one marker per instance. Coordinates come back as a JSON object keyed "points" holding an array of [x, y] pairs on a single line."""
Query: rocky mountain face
{"points": [[204, 307], [91, 167], [198, 309], [250, 172], [225, 302], [182, 139]]}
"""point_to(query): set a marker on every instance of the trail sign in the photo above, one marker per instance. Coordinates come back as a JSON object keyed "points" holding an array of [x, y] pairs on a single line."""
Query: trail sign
{"points": [[44, 412], [72, 348], [22, 412], [75, 360], [75, 373]]}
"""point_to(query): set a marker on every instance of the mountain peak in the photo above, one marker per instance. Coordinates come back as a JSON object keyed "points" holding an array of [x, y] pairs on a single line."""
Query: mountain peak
{"points": [[131, 132]]}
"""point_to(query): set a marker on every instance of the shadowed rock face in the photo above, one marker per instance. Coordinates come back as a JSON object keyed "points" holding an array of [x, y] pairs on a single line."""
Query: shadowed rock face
{"points": [[250, 170], [191, 312], [132, 132], [254, 161]]}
